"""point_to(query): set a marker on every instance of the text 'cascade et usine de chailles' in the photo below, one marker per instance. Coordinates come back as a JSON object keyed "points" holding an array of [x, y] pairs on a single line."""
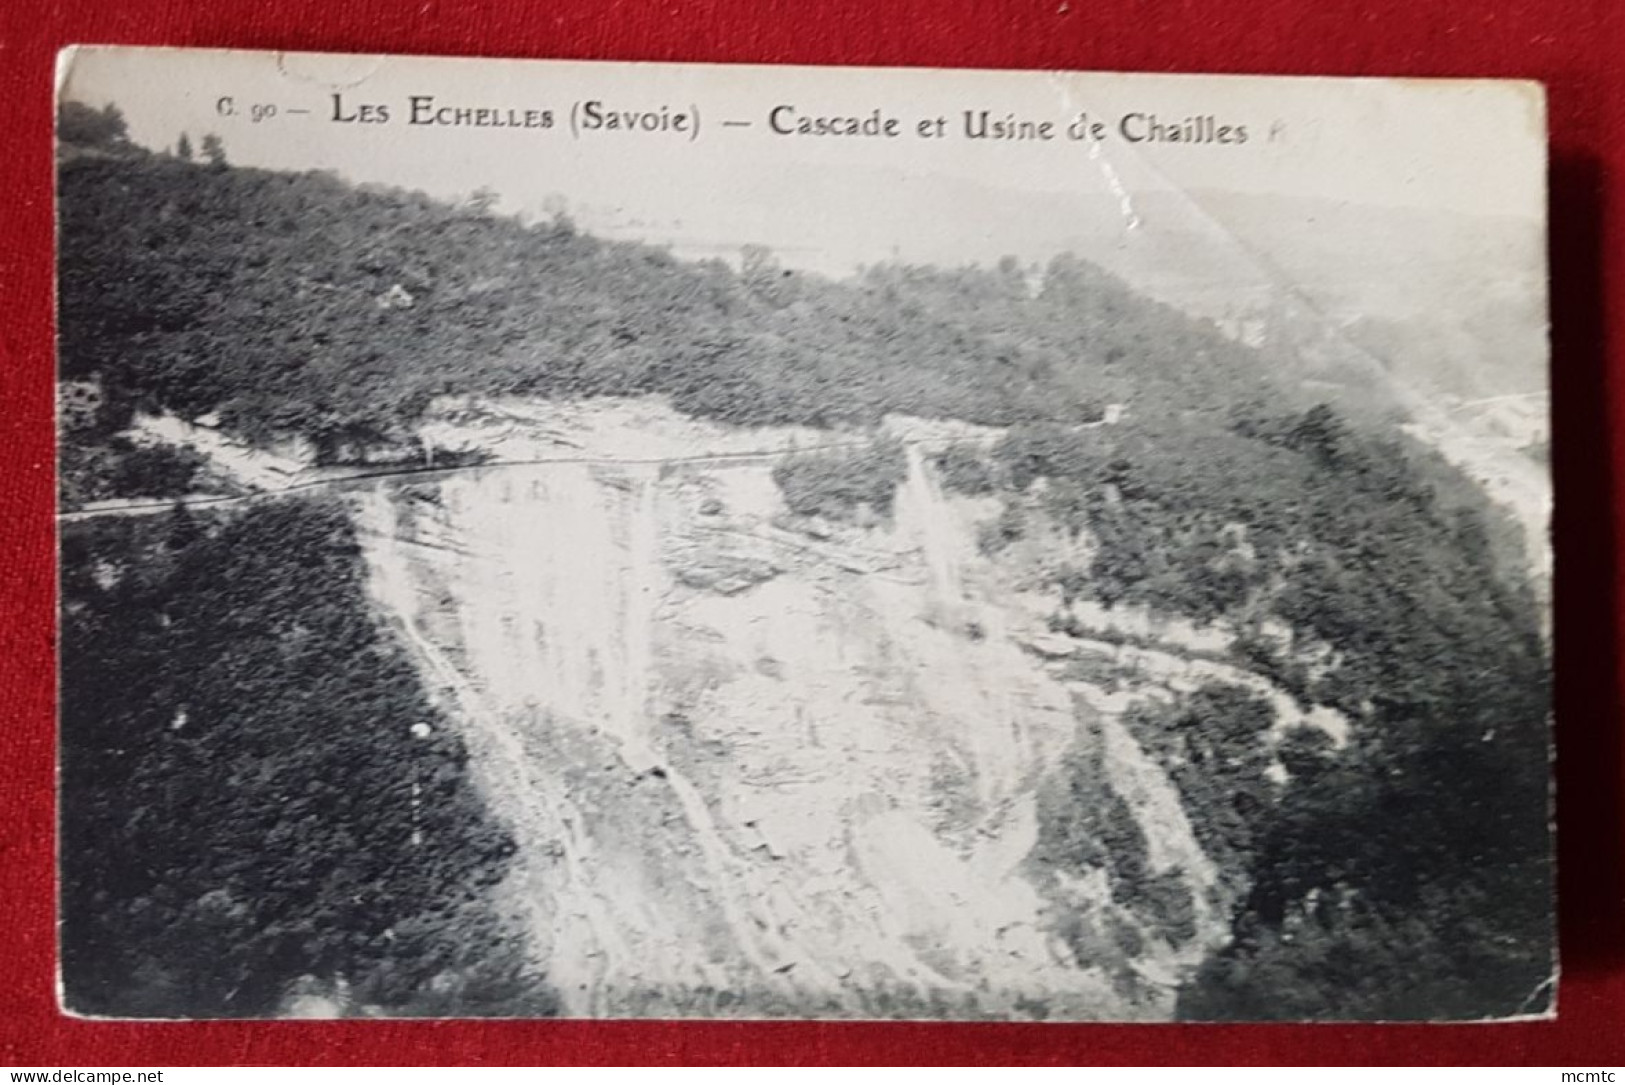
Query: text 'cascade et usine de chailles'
{"points": [[596, 117]]}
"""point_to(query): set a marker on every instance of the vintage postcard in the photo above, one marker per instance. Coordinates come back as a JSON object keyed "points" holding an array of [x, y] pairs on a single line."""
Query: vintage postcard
{"points": [[654, 540]]}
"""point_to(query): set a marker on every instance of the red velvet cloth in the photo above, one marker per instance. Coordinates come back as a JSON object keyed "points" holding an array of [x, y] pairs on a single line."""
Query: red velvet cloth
{"points": [[1577, 47]]}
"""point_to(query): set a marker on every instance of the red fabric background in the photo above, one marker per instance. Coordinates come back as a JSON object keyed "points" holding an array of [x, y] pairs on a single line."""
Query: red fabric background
{"points": [[1576, 46]]}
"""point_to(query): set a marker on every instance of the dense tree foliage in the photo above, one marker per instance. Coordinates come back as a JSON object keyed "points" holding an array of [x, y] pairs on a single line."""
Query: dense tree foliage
{"points": [[841, 482], [117, 465], [1212, 745], [244, 799], [298, 304], [1085, 825], [1432, 824], [80, 125]]}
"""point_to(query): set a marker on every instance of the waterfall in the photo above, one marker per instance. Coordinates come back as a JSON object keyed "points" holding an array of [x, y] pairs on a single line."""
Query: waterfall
{"points": [[925, 511]]}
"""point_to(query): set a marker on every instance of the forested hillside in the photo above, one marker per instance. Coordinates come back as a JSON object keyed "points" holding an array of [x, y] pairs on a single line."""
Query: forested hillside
{"points": [[298, 304], [255, 789], [1403, 876]]}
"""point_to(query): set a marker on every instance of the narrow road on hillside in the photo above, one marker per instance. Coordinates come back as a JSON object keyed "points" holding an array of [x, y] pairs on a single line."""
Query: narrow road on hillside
{"points": [[335, 478]]}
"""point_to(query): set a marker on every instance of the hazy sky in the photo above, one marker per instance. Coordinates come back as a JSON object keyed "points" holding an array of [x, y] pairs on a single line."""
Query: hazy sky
{"points": [[832, 202]]}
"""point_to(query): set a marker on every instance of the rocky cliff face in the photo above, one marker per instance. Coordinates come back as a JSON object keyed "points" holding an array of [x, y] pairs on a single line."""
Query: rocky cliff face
{"points": [[762, 764]]}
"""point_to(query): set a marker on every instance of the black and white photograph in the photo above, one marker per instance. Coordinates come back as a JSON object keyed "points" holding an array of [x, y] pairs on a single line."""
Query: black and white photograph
{"points": [[598, 540]]}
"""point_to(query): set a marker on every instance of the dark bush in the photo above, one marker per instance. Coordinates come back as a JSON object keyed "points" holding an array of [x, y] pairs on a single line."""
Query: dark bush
{"points": [[837, 483]]}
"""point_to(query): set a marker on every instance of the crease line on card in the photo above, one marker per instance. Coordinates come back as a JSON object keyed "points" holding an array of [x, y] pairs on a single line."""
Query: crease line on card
{"points": [[1098, 155]]}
